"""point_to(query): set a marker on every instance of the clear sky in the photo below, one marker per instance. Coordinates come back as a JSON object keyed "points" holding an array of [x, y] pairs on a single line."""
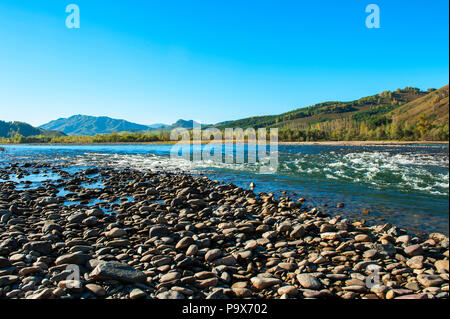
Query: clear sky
{"points": [[211, 60]]}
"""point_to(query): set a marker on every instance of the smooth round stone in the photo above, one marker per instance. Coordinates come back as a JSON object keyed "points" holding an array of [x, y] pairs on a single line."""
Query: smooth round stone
{"points": [[308, 281], [96, 289], [414, 250], [171, 294], [330, 236], [242, 292], [184, 243], [170, 277], [288, 290], [363, 238], [137, 293], [261, 283], [192, 250], [213, 254], [184, 291], [116, 232]]}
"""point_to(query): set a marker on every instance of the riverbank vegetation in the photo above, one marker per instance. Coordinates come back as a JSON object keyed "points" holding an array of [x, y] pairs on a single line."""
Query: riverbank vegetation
{"points": [[330, 131]]}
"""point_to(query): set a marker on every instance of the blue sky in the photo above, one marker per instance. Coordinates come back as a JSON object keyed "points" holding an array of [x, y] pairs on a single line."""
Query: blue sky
{"points": [[211, 60]]}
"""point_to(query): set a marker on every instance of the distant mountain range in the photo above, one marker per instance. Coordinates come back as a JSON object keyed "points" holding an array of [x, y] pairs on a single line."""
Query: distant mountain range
{"points": [[92, 125], [404, 113], [10, 129], [189, 124]]}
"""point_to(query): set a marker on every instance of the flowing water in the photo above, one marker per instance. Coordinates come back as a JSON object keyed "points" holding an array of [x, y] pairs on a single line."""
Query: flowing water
{"points": [[404, 185]]}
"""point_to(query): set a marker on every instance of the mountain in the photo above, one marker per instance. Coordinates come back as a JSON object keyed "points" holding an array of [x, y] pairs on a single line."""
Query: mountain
{"points": [[92, 125], [187, 124], [157, 126], [407, 113], [10, 129]]}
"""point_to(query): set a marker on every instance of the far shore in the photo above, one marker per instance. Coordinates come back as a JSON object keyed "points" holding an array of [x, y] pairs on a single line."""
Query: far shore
{"points": [[364, 143], [331, 143]]}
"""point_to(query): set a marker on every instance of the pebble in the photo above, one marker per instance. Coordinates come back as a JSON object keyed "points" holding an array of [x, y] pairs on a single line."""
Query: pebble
{"points": [[414, 250], [441, 266], [117, 271], [430, 280], [415, 262], [177, 236], [96, 289], [137, 293], [171, 294], [261, 283], [308, 281]]}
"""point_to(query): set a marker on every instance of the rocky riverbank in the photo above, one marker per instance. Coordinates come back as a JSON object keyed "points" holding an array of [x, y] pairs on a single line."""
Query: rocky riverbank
{"points": [[133, 234]]}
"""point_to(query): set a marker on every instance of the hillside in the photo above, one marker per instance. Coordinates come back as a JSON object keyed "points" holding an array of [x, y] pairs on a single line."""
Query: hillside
{"points": [[11, 129], [372, 105], [374, 117], [428, 115], [92, 125], [432, 107]]}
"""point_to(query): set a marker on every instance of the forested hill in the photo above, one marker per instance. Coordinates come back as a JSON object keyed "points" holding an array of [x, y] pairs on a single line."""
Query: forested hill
{"points": [[12, 129], [388, 115], [427, 114]]}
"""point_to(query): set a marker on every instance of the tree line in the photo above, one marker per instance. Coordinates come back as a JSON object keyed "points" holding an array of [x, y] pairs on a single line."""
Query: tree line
{"points": [[336, 130]]}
